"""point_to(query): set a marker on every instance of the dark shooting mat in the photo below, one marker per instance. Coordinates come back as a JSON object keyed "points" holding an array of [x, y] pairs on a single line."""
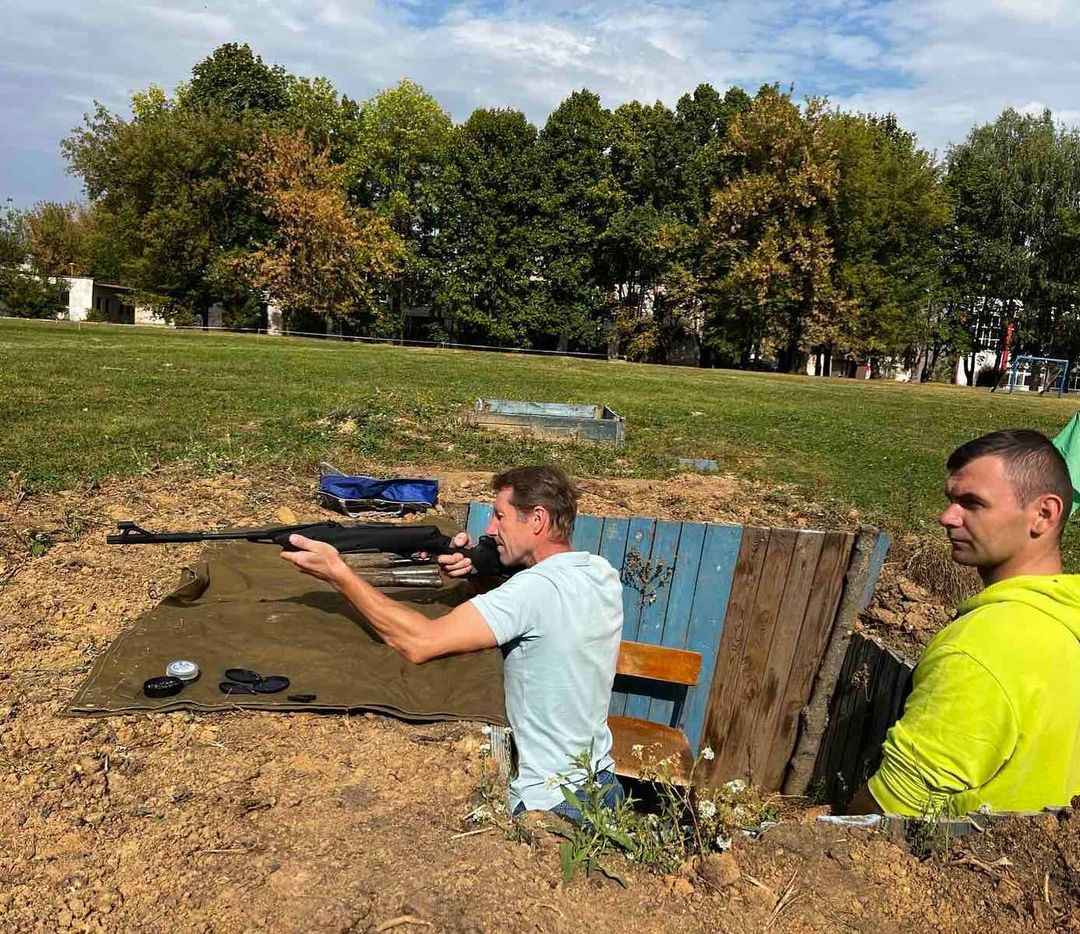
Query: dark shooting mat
{"points": [[244, 607]]}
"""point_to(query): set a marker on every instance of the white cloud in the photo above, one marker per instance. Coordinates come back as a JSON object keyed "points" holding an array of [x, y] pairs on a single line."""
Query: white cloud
{"points": [[940, 67], [212, 24]]}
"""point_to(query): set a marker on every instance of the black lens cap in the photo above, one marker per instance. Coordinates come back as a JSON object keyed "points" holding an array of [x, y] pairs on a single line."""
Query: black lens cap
{"points": [[242, 675], [301, 698], [271, 684], [162, 686], [235, 687]]}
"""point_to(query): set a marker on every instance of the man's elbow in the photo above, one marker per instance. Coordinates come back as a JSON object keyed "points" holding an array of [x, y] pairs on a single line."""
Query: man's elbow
{"points": [[416, 650]]}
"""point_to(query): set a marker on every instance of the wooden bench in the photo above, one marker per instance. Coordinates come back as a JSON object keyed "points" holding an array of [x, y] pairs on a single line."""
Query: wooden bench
{"points": [[637, 660]]}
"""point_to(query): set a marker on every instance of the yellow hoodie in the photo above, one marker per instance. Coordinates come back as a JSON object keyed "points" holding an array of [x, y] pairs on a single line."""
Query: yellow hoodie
{"points": [[994, 714]]}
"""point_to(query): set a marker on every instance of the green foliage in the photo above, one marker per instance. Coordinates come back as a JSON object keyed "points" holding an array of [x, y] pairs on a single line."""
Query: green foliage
{"points": [[487, 244], [394, 169], [580, 196], [686, 824], [235, 79], [754, 229], [886, 224], [1013, 252]]}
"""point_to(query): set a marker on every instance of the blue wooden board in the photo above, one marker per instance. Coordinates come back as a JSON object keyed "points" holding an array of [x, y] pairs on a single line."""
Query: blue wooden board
{"points": [[716, 571], [877, 561], [680, 601], [478, 518], [653, 611], [613, 547], [587, 531]]}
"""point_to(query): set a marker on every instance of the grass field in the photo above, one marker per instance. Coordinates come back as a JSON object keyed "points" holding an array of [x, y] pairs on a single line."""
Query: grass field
{"points": [[81, 403]]}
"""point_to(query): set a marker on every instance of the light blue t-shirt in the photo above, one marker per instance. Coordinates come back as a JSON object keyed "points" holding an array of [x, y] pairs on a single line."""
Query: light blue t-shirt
{"points": [[559, 624]]}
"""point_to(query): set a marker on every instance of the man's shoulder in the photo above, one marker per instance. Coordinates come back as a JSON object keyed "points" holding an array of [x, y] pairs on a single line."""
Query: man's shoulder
{"points": [[1002, 633]]}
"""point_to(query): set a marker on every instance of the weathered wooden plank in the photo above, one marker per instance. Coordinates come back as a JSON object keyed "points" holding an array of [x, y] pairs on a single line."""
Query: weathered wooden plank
{"points": [[880, 716], [659, 662], [817, 623], [680, 605], [737, 748], [587, 531], [877, 562], [841, 714], [798, 590], [657, 589], [510, 407], [814, 717], [866, 684], [737, 623], [720, 552], [613, 547]]}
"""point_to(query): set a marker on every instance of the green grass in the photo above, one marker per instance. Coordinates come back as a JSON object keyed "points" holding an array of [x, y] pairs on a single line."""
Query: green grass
{"points": [[79, 404]]}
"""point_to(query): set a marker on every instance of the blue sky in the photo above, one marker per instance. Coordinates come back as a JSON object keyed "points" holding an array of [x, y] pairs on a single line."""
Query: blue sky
{"points": [[941, 67]]}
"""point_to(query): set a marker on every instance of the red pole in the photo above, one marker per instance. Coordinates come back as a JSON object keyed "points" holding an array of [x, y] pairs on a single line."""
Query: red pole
{"points": [[1008, 344]]}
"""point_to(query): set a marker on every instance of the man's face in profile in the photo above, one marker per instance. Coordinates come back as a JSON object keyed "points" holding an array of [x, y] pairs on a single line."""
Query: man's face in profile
{"points": [[985, 522]]}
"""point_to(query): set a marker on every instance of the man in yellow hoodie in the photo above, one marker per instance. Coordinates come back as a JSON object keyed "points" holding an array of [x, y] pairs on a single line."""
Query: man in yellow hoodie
{"points": [[993, 720]]}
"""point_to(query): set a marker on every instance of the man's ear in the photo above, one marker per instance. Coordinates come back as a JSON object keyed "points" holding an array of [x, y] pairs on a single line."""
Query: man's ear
{"points": [[1047, 514], [540, 519]]}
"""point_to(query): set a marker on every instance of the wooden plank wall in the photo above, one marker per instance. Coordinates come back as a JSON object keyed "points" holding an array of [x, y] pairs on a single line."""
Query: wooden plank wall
{"points": [[869, 697], [759, 606]]}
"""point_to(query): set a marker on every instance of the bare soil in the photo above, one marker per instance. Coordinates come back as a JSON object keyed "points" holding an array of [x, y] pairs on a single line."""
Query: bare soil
{"points": [[256, 821]]}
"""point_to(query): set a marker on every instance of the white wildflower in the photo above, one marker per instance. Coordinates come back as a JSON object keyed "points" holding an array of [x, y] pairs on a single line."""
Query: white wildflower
{"points": [[637, 750], [486, 729], [985, 808], [707, 809], [723, 843], [707, 754], [735, 787]]}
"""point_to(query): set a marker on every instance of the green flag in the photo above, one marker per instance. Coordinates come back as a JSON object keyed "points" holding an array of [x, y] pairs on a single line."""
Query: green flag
{"points": [[1068, 443]]}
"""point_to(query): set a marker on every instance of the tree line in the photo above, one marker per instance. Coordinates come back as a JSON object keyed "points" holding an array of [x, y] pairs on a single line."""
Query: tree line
{"points": [[729, 230]]}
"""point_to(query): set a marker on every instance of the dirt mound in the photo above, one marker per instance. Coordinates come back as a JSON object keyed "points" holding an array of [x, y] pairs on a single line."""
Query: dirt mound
{"points": [[249, 821]]}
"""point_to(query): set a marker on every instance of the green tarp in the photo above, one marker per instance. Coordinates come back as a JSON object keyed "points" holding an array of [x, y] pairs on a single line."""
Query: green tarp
{"points": [[1068, 443], [242, 606]]}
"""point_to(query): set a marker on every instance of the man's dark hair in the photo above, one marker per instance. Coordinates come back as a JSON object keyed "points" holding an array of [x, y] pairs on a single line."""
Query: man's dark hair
{"points": [[1032, 464], [545, 486]]}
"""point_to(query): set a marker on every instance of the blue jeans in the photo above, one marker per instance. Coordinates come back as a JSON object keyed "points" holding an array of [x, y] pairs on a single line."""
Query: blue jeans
{"points": [[566, 810]]}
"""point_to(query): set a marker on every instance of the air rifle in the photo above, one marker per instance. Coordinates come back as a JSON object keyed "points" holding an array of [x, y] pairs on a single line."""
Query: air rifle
{"points": [[404, 540]]}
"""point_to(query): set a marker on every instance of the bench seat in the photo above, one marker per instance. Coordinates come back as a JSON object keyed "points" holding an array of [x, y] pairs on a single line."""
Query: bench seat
{"points": [[657, 741]]}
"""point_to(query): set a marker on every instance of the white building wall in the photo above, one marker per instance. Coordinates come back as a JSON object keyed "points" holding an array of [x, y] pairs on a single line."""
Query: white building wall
{"points": [[80, 297], [274, 319]]}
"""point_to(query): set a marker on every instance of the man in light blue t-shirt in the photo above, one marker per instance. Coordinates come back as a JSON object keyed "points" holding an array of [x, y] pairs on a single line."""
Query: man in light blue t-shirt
{"points": [[558, 621]]}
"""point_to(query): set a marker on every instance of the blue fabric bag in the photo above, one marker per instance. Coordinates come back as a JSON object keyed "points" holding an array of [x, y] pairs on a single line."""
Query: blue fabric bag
{"points": [[356, 496]]}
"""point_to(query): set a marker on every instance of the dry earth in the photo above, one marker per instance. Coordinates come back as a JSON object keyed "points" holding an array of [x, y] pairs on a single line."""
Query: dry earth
{"points": [[254, 821]]}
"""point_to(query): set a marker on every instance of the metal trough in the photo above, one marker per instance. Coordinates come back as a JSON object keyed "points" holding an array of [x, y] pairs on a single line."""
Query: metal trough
{"points": [[593, 422]]}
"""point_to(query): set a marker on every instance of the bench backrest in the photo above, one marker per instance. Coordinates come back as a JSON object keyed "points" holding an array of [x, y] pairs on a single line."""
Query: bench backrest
{"points": [[658, 663]]}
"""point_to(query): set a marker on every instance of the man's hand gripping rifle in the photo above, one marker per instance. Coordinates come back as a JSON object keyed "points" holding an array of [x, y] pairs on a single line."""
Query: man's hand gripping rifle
{"points": [[404, 540]]}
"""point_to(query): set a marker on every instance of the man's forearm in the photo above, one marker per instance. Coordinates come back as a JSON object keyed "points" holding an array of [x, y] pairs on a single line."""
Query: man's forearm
{"points": [[402, 628]]}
